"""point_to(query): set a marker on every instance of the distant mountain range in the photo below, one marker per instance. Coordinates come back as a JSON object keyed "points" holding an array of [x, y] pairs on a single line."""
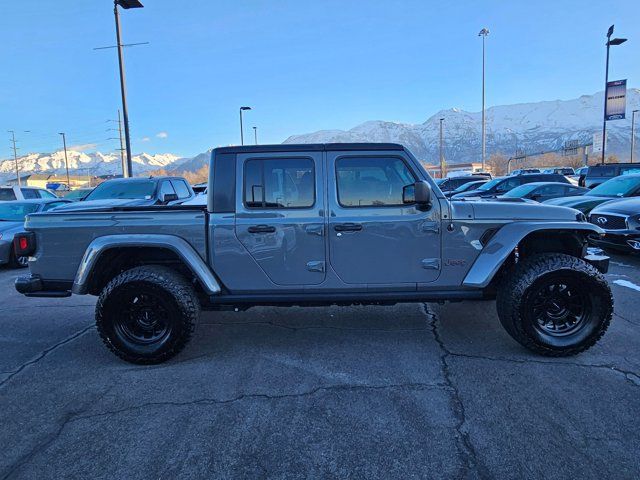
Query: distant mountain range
{"points": [[532, 127]]}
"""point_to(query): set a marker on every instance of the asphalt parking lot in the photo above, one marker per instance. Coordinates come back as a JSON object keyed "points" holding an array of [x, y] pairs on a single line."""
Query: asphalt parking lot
{"points": [[411, 391]]}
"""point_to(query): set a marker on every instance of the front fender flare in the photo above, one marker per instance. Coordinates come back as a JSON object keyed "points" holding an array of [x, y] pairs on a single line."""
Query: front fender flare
{"points": [[506, 239], [176, 244]]}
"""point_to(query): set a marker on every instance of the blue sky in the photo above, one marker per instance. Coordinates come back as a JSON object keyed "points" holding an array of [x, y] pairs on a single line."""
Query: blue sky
{"points": [[302, 65]]}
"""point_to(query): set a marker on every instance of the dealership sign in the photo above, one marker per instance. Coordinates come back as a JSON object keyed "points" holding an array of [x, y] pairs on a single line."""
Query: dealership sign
{"points": [[616, 100]]}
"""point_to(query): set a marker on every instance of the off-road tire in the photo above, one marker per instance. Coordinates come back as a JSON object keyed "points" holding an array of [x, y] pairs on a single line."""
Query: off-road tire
{"points": [[516, 298], [178, 308]]}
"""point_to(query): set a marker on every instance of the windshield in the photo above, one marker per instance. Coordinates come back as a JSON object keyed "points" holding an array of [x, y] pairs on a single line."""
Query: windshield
{"points": [[468, 186], [489, 185], [616, 187], [76, 194], [128, 189], [520, 191], [15, 212]]}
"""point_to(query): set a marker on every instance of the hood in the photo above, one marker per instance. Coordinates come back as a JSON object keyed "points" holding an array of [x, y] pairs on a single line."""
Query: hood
{"points": [[584, 203], [11, 227], [492, 210], [107, 203], [627, 206]]}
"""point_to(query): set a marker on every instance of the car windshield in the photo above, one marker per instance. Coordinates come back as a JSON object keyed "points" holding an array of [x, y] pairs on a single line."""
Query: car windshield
{"points": [[16, 211], [73, 194], [127, 189], [489, 185], [468, 186], [616, 187], [520, 191]]}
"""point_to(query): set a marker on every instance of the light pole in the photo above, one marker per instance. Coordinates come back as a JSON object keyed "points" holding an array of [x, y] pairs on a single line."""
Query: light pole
{"points": [[610, 41], [442, 167], [255, 135], [126, 4], [633, 132], [483, 33], [66, 160], [242, 109]]}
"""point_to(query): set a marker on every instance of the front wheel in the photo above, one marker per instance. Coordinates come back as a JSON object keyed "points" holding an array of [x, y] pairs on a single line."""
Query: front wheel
{"points": [[555, 304], [147, 314]]}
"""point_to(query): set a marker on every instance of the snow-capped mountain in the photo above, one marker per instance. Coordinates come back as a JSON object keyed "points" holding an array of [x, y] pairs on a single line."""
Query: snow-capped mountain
{"points": [[532, 127], [82, 163]]}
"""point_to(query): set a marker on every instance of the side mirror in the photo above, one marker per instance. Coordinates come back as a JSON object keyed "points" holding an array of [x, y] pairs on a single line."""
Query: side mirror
{"points": [[168, 197], [418, 193]]}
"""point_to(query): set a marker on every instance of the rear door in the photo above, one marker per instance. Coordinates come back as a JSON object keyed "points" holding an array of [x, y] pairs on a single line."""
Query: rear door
{"points": [[281, 214], [374, 238]]}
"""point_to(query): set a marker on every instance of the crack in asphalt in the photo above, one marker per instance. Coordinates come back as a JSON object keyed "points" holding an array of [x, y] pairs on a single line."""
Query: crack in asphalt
{"points": [[626, 319], [44, 353], [466, 450], [317, 327], [632, 377]]}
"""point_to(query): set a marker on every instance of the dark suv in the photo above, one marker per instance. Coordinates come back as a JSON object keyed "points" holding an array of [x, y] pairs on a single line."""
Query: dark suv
{"points": [[598, 174], [501, 185]]}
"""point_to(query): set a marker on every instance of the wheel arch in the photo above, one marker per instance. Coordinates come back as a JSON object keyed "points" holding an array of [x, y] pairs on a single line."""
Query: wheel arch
{"points": [[524, 239], [107, 256]]}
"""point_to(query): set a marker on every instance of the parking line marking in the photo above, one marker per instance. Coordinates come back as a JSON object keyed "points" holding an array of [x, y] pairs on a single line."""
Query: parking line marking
{"points": [[628, 284]]}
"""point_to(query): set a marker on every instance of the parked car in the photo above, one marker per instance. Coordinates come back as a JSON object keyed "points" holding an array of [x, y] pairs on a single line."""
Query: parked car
{"points": [[560, 170], [449, 184], [620, 219], [138, 192], [465, 187], [523, 171], [319, 224], [598, 174], [618, 187], [77, 194], [14, 192], [199, 187], [12, 215], [501, 185], [541, 191]]}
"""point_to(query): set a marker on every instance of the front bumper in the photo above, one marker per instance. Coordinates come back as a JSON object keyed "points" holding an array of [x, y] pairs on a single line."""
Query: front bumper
{"points": [[623, 240], [33, 286]]}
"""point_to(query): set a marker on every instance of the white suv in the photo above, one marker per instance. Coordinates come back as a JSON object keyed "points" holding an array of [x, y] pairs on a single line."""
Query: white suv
{"points": [[15, 192]]}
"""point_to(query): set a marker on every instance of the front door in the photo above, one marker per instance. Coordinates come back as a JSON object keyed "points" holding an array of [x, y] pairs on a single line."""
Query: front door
{"points": [[373, 237], [280, 215]]}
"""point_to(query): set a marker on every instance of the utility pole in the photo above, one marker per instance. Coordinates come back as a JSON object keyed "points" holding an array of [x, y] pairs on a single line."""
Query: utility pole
{"points": [[15, 155], [255, 135], [483, 33], [442, 165], [633, 132], [66, 160], [124, 165]]}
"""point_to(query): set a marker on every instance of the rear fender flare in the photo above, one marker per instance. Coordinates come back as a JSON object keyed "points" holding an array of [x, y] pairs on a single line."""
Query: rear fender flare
{"points": [[176, 244], [506, 239]]}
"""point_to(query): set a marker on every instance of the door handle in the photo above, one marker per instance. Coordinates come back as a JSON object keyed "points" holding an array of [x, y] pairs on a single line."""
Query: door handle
{"points": [[261, 229], [347, 227]]}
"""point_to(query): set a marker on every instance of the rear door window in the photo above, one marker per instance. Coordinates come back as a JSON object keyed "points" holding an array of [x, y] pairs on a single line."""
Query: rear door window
{"points": [[29, 193], [605, 171], [279, 183]]}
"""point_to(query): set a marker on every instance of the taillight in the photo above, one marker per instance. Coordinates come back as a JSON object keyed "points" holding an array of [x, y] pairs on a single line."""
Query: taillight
{"points": [[24, 244]]}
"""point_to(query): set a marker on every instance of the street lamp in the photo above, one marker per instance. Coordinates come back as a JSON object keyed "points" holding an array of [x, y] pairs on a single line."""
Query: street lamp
{"points": [[442, 168], [66, 161], [126, 4], [610, 41], [241, 129], [633, 132], [483, 33], [255, 135]]}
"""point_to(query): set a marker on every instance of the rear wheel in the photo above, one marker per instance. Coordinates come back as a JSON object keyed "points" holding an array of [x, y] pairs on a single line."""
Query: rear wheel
{"points": [[147, 314], [555, 304]]}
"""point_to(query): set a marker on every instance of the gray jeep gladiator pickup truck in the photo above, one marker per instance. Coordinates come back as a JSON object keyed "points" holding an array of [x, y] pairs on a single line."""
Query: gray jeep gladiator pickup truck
{"points": [[317, 225]]}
